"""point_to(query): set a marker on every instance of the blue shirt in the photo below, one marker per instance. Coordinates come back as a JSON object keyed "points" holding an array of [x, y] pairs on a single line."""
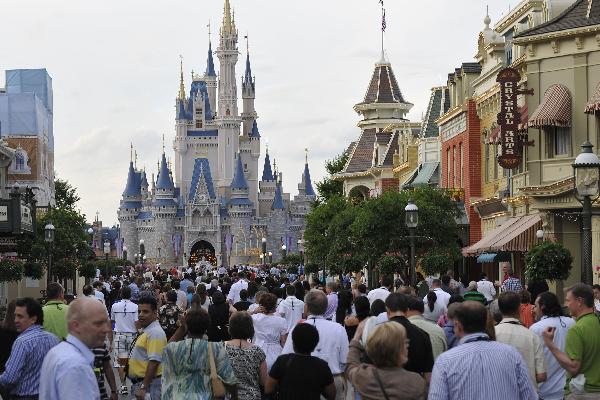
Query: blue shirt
{"points": [[23, 365], [67, 372], [332, 303], [185, 284], [135, 291], [480, 369]]}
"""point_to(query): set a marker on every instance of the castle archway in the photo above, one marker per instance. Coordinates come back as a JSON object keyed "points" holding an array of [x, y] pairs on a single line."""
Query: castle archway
{"points": [[202, 250]]}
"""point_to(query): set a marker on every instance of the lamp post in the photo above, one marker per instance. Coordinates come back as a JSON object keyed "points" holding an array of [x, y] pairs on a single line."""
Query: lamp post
{"points": [[124, 253], [142, 251], [135, 258], [270, 257], [106, 253], [586, 170], [283, 251], [539, 234], [411, 216], [264, 250], [49, 239], [262, 259], [301, 250]]}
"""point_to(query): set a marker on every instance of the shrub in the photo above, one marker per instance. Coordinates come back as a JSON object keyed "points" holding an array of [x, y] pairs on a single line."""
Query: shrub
{"points": [[11, 270], [548, 261]]}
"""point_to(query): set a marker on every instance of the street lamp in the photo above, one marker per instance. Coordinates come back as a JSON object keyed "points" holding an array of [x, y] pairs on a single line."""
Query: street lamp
{"points": [[264, 248], [283, 250], [301, 250], [49, 239], [270, 257], [539, 234], [411, 215], [142, 251], [106, 253], [586, 170], [124, 253], [135, 257]]}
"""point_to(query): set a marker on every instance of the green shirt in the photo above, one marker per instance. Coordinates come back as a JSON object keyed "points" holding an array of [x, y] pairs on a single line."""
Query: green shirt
{"points": [[583, 344], [474, 296], [55, 318]]}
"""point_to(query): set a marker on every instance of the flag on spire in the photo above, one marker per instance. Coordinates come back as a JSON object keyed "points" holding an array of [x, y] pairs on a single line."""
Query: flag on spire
{"points": [[383, 24]]}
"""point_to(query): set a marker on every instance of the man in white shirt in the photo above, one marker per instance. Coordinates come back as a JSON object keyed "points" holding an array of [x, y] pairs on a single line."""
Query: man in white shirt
{"points": [[383, 292], [234, 292], [486, 288], [443, 298], [97, 291], [549, 314], [333, 340], [511, 331], [124, 314], [291, 308], [181, 296]]}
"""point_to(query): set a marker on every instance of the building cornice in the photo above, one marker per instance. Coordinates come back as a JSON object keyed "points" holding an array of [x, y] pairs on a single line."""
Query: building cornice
{"points": [[516, 14], [587, 30], [552, 189], [451, 114]]}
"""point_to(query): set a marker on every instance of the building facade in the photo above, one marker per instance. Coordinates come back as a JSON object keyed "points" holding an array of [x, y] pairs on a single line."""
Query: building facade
{"points": [[213, 205]]}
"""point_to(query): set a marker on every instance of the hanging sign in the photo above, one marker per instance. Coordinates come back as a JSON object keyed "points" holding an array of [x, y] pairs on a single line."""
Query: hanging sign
{"points": [[508, 118]]}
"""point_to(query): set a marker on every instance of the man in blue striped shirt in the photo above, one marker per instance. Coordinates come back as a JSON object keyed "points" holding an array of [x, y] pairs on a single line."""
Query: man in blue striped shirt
{"points": [[22, 375], [479, 368]]}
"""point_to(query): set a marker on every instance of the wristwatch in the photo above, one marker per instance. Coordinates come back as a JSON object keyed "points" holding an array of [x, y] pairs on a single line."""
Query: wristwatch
{"points": [[142, 386]]}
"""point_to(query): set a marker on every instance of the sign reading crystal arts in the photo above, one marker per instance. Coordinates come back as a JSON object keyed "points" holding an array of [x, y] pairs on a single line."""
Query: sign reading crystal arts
{"points": [[508, 118]]}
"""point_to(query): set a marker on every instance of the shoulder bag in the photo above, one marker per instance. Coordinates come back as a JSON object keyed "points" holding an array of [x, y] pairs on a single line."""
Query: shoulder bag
{"points": [[218, 388], [378, 379]]}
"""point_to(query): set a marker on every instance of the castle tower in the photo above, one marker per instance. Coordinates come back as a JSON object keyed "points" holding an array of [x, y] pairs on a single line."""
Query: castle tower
{"points": [[228, 118], [248, 95], [182, 121], [164, 209], [130, 207], [239, 204], [210, 77], [267, 188]]}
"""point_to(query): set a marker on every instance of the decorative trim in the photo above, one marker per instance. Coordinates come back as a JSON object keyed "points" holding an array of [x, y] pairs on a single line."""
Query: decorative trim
{"points": [[555, 46], [579, 42], [553, 189]]}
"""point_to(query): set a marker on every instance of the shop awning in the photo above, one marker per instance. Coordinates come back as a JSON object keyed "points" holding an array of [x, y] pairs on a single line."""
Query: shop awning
{"points": [[515, 234], [486, 258], [425, 173], [593, 104], [554, 110], [494, 136], [524, 111]]}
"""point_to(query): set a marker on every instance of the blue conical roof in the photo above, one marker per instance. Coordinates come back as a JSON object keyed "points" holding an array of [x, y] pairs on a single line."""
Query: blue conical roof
{"points": [[248, 73], [307, 182], [164, 179], [254, 133], [267, 171], [133, 184], [181, 114], [144, 180], [239, 180], [210, 65], [278, 199]]}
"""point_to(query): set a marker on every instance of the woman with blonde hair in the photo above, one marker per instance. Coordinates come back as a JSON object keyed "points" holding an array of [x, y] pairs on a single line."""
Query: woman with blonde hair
{"points": [[385, 378]]}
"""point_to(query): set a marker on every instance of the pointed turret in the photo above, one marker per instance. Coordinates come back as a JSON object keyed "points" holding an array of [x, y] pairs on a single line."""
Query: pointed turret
{"points": [[133, 187], [228, 27], [267, 172], [254, 133], [248, 80], [163, 181], [181, 114], [181, 95], [278, 200], [239, 180], [307, 182], [210, 65]]}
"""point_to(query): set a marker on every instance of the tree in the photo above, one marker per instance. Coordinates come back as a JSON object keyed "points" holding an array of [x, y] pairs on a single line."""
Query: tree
{"points": [[328, 187], [548, 261], [65, 195], [439, 260], [317, 239]]}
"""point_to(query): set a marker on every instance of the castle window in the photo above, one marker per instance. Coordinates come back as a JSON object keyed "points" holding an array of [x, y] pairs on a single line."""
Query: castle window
{"points": [[19, 161]]}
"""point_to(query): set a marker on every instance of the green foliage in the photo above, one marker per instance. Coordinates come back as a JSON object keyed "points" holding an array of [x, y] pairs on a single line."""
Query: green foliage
{"points": [[328, 187], [292, 269], [439, 260], [317, 239], [66, 195], [548, 261], [390, 265], [64, 268], [291, 259], [11, 270], [311, 268], [87, 270], [33, 270]]}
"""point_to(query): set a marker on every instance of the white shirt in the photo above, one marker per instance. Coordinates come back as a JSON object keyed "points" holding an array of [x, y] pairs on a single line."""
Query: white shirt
{"points": [[486, 288], [443, 298], [510, 331], [291, 309], [67, 372], [333, 343], [99, 295], [181, 300], [381, 293], [125, 315], [553, 387], [236, 288]]}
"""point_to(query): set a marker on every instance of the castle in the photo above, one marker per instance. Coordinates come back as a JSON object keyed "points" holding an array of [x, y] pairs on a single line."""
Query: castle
{"points": [[214, 206]]}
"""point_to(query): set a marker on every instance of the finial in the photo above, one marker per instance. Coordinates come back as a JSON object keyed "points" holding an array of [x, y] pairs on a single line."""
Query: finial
{"points": [[267, 148], [274, 165], [306, 155], [135, 155], [247, 46], [181, 84], [383, 26], [131, 153], [192, 75], [487, 20], [208, 26], [163, 143], [158, 166]]}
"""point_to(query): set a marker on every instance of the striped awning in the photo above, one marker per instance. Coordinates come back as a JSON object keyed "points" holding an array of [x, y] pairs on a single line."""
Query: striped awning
{"points": [[494, 136], [515, 234], [554, 110], [593, 104], [524, 111]]}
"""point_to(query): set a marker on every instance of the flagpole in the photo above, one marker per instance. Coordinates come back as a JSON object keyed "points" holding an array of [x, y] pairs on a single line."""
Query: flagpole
{"points": [[382, 31]]}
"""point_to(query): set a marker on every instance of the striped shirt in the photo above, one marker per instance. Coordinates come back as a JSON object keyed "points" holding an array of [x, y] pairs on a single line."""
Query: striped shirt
{"points": [[512, 284], [25, 362], [149, 346], [480, 369]]}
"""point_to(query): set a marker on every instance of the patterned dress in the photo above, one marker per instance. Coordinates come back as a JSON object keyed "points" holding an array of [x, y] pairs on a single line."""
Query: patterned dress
{"points": [[246, 366], [168, 316], [186, 370]]}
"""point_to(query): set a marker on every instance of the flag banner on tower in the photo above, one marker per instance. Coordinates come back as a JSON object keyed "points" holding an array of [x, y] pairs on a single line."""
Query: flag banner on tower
{"points": [[176, 244], [228, 242], [383, 24], [119, 247]]}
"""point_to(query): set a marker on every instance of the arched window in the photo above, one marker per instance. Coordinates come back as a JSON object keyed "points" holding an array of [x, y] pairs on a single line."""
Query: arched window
{"points": [[19, 161]]}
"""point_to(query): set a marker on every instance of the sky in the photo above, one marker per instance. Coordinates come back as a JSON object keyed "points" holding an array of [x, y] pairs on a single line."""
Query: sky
{"points": [[115, 72]]}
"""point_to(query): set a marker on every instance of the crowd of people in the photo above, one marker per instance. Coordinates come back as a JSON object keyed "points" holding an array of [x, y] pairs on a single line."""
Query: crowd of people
{"points": [[254, 333]]}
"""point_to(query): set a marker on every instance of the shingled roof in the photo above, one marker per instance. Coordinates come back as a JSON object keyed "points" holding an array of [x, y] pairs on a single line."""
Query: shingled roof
{"points": [[391, 150], [383, 87], [580, 14], [361, 156], [439, 103]]}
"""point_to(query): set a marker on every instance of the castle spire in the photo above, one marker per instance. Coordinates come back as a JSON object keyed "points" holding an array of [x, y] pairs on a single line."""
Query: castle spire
{"points": [[210, 65], [278, 203], [228, 26], [307, 181], [181, 83], [239, 180], [267, 172]]}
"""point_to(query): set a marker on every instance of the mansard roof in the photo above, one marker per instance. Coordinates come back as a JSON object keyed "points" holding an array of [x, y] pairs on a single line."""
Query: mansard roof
{"points": [[581, 14], [361, 156], [202, 165], [439, 103]]}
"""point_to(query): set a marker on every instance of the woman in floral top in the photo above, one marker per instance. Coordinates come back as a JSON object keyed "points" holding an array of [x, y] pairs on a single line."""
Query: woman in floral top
{"points": [[248, 360], [186, 367], [168, 315]]}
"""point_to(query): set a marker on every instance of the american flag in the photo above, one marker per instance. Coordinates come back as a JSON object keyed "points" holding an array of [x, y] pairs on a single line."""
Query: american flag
{"points": [[383, 24]]}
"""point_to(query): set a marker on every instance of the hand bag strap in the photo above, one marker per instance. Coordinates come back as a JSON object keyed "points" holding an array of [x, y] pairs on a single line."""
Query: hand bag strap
{"points": [[211, 362], [378, 379]]}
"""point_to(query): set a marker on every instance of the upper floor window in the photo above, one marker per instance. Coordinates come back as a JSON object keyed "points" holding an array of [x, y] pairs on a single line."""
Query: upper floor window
{"points": [[558, 141], [508, 47]]}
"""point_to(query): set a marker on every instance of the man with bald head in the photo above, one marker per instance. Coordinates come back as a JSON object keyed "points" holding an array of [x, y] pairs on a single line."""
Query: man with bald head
{"points": [[67, 371]]}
